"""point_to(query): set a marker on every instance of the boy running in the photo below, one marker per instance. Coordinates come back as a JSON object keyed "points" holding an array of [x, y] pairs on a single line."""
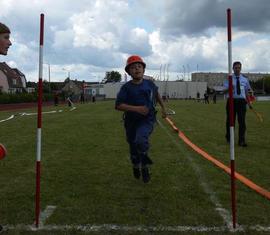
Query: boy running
{"points": [[137, 98]]}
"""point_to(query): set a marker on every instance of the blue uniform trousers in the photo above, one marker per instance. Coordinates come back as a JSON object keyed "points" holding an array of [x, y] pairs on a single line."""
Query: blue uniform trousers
{"points": [[138, 133]]}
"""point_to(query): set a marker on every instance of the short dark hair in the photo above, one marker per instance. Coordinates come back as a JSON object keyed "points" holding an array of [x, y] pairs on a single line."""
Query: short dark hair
{"points": [[237, 63], [4, 28]]}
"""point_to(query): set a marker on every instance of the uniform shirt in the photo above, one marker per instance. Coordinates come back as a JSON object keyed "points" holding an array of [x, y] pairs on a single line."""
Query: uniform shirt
{"points": [[143, 94], [244, 86]]}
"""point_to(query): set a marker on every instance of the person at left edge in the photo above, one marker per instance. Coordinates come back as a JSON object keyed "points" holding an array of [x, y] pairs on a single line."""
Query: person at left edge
{"points": [[5, 43], [137, 98]]}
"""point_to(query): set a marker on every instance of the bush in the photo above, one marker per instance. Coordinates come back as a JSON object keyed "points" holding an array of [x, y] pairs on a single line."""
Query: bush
{"points": [[22, 98]]}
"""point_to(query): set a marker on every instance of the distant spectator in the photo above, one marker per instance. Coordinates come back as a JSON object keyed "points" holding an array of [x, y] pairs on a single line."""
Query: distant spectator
{"points": [[82, 98], [94, 95], [56, 98], [93, 98], [69, 100], [206, 98], [215, 97], [165, 98], [198, 96]]}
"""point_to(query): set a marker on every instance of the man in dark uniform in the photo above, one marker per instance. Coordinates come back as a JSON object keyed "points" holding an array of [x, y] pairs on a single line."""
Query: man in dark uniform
{"points": [[241, 87]]}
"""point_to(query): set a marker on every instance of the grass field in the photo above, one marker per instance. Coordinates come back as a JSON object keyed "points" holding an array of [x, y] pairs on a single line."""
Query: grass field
{"points": [[86, 173]]}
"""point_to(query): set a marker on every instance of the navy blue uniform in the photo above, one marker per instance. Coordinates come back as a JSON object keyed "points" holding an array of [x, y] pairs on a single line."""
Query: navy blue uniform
{"points": [[139, 127]]}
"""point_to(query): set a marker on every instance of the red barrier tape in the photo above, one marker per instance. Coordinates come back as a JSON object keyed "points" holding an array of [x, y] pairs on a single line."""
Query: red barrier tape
{"points": [[207, 156]]}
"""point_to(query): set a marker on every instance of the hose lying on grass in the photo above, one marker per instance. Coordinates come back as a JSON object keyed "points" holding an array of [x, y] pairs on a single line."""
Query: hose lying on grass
{"points": [[207, 156]]}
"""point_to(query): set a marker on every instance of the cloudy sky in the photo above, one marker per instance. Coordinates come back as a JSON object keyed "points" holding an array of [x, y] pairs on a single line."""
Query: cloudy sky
{"points": [[86, 38]]}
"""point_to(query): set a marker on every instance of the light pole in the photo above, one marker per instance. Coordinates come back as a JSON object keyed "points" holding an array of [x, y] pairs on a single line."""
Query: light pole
{"points": [[160, 69], [168, 71], [164, 75], [263, 85], [188, 72], [184, 71]]}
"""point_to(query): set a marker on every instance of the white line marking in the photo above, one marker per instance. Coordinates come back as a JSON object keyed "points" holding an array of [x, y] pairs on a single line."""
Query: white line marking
{"points": [[135, 228], [170, 112], [30, 114], [225, 215], [4, 120], [46, 214]]}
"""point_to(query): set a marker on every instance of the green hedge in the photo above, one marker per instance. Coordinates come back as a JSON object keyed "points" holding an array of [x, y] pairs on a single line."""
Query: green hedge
{"points": [[22, 98]]}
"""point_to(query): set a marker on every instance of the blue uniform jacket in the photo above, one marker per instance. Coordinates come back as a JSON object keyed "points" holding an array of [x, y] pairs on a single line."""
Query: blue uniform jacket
{"points": [[143, 94], [244, 86]]}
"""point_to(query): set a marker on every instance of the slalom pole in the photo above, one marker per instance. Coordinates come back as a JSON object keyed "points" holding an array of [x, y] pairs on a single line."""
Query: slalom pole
{"points": [[39, 121], [231, 113]]}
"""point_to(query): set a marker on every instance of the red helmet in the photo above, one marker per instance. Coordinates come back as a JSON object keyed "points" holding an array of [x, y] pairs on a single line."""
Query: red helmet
{"points": [[134, 59]]}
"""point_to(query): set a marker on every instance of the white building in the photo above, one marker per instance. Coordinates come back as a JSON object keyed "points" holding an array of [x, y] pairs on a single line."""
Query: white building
{"points": [[171, 89], [12, 80], [216, 79]]}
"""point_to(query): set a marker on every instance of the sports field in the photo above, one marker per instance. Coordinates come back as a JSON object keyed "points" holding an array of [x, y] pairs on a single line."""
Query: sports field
{"points": [[87, 185]]}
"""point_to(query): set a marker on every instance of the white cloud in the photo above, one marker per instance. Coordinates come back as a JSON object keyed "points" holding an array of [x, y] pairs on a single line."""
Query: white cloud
{"points": [[12, 64], [5, 7], [86, 32], [95, 36], [63, 38], [179, 51]]}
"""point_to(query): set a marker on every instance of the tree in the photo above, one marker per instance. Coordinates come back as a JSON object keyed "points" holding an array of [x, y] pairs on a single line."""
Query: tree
{"points": [[266, 84], [261, 85], [67, 80], [46, 86], [112, 76]]}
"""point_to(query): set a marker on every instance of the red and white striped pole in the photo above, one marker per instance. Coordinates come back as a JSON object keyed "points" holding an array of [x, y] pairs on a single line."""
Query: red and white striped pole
{"points": [[231, 113], [39, 120]]}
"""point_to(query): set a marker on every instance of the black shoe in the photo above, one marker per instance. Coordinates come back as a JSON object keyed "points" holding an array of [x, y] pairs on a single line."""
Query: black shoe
{"points": [[136, 172], [145, 175], [1, 228], [242, 144]]}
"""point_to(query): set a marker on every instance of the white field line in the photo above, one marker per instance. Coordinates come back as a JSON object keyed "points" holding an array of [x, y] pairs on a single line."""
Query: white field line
{"points": [[135, 228], [29, 114], [46, 214], [4, 120], [170, 112], [225, 215]]}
